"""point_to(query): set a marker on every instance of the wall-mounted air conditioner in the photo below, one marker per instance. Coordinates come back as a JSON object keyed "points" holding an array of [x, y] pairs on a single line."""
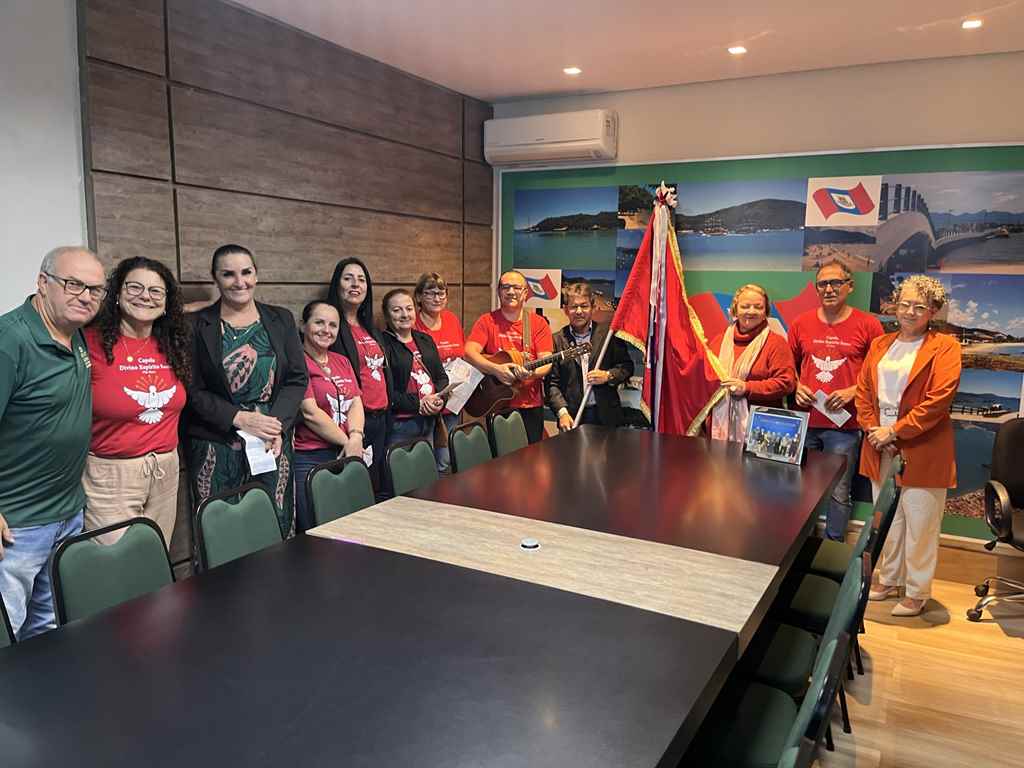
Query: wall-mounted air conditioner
{"points": [[559, 138]]}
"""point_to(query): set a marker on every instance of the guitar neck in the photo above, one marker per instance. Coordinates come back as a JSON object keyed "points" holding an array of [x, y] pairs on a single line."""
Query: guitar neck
{"points": [[553, 358]]}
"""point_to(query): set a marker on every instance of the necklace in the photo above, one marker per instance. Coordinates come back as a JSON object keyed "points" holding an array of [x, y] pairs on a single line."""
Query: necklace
{"points": [[322, 363], [127, 353]]}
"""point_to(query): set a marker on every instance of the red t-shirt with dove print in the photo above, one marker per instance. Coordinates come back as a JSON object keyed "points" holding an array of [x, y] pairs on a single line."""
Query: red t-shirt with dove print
{"points": [[137, 400], [333, 387]]}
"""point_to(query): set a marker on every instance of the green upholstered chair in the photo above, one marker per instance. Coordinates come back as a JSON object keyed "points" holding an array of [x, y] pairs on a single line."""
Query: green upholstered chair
{"points": [[236, 523], [338, 488], [766, 723], [411, 465], [89, 577], [508, 433], [469, 446], [6, 632]]}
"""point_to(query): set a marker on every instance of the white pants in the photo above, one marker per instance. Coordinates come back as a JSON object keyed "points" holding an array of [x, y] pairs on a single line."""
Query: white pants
{"points": [[911, 550]]}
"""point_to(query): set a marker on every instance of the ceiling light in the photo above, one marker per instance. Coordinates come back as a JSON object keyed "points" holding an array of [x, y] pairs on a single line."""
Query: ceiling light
{"points": [[972, 24], [572, 70], [737, 50]]}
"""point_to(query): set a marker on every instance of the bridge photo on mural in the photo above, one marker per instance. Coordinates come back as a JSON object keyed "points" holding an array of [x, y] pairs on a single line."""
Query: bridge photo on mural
{"points": [[955, 214]]}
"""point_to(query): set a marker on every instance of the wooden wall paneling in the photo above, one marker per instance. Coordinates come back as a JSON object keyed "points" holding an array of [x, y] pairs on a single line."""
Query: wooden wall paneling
{"points": [[478, 263], [128, 127], [230, 50], [301, 242], [479, 192], [476, 301], [474, 114], [126, 32], [134, 217], [228, 144]]}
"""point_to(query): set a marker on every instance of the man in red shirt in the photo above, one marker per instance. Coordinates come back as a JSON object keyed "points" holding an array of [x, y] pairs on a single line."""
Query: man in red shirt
{"points": [[829, 344], [503, 329]]}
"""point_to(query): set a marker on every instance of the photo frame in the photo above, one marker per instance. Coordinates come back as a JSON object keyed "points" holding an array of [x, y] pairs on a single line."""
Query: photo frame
{"points": [[776, 434]]}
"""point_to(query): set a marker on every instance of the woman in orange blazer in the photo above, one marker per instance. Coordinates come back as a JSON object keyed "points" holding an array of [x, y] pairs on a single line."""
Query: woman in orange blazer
{"points": [[906, 387]]}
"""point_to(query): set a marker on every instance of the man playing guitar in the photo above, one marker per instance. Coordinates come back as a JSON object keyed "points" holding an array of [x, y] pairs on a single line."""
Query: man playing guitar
{"points": [[502, 329]]}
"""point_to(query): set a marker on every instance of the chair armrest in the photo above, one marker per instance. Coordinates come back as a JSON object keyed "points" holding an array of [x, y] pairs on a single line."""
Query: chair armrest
{"points": [[998, 510]]}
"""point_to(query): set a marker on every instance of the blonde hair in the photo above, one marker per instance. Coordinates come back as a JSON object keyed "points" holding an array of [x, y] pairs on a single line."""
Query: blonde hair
{"points": [[931, 290], [756, 289]]}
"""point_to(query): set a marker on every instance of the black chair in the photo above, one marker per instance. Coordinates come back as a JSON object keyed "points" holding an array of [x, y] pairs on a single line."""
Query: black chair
{"points": [[6, 632], [1004, 512]]}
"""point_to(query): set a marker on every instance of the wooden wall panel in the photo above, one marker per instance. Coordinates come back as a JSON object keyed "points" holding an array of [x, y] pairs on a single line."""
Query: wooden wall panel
{"points": [[476, 300], [479, 193], [128, 127], [134, 217], [301, 242], [228, 144], [474, 114], [477, 254], [229, 50], [127, 32]]}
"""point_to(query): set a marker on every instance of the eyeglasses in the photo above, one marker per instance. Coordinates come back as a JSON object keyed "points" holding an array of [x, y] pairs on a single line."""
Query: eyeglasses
{"points": [[906, 306], [77, 287], [438, 293], [835, 285], [156, 293], [511, 288]]}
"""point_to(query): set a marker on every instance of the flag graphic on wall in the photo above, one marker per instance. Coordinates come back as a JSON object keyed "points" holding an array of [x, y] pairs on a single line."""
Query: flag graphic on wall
{"points": [[843, 201], [545, 287], [681, 375]]}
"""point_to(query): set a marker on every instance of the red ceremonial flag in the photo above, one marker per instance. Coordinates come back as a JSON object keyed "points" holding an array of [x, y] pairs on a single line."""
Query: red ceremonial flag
{"points": [[681, 375]]}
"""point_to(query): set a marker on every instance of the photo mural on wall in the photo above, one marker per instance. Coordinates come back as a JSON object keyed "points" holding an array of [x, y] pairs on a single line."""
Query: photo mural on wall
{"points": [[964, 227]]}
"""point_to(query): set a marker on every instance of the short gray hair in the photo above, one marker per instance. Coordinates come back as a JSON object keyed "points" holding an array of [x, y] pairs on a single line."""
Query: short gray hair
{"points": [[931, 290], [50, 259], [847, 272]]}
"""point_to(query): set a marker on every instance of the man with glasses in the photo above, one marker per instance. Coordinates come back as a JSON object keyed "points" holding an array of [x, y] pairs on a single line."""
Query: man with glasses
{"points": [[829, 345], [45, 428], [503, 329]]}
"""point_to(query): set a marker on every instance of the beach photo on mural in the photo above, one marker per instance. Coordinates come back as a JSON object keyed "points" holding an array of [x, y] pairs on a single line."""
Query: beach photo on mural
{"points": [[567, 228], [636, 203]]}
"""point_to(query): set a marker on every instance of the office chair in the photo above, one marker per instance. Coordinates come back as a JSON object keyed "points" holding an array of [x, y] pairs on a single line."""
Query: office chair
{"points": [[1004, 512]]}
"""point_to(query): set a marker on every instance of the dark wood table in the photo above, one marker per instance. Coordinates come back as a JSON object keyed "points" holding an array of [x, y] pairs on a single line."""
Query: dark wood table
{"points": [[325, 653]]}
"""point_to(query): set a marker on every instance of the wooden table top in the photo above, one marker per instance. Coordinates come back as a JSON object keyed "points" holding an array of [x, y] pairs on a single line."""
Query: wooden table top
{"points": [[704, 587], [322, 653], [687, 492]]}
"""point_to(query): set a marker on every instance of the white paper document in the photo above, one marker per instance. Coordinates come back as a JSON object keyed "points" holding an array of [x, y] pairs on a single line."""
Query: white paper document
{"points": [[260, 459], [467, 376], [838, 417]]}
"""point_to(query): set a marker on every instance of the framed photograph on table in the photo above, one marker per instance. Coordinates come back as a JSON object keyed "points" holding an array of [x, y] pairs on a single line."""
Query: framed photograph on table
{"points": [[776, 434]]}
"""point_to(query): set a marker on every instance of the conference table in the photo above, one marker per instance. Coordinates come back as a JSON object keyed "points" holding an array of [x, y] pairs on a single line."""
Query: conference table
{"points": [[336, 650]]}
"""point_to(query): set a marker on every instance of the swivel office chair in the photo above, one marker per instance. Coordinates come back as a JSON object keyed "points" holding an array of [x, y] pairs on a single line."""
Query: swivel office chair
{"points": [[1004, 513]]}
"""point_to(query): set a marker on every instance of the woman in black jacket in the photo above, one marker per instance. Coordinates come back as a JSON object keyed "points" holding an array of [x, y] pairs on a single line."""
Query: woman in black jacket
{"points": [[248, 374], [417, 375]]}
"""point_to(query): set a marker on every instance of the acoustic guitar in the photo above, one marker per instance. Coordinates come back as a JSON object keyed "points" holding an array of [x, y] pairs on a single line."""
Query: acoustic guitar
{"points": [[492, 393]]}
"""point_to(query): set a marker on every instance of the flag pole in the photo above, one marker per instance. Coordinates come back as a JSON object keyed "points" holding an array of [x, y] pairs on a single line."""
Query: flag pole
{"points": [[587, 386]]}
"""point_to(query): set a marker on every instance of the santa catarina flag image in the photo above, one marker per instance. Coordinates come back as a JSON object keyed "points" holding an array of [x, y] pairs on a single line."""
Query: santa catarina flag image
{"points": [[843, 201]]}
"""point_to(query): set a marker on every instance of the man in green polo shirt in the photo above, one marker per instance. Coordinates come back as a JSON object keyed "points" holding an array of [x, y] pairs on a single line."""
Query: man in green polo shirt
{"points": [[45, 424]]}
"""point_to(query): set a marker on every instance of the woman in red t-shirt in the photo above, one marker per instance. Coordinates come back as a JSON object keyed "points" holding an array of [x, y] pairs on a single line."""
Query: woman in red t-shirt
{"points": [[332, 409], [435, 319], [140, 348]]}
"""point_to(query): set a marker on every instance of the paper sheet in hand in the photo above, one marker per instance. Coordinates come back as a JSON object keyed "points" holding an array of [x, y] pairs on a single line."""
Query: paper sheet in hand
{"points": [[459, 370], [260, 459], [838, 417]]}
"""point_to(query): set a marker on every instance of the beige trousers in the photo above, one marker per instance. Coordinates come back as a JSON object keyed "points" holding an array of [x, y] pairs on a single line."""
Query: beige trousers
{"points": [[911, 550], [119, 489]]}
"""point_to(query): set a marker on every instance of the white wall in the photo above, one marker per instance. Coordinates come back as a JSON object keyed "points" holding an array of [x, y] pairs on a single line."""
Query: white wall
{"points": [[973, 99], [42, 194]]}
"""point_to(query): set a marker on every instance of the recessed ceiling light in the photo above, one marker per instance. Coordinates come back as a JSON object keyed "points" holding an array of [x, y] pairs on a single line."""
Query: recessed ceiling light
{"points": [[972, 24], [572, 70], [737, 50]]}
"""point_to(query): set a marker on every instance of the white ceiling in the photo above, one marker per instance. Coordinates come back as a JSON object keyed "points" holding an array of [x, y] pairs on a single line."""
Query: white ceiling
{"points": [[498, 50]]}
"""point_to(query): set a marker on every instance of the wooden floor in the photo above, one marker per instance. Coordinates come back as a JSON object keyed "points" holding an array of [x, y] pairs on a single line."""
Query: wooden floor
{"points": [[940, 691]]}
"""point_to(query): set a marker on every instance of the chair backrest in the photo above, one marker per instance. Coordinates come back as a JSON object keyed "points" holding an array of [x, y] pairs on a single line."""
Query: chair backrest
{"points": [[469, 446], [885, 508], [236, 523], [508, 432], [89, 577], [6, 632], [412, 465], [845, 616], [1006, 452], [815, 711], [338, 488]]}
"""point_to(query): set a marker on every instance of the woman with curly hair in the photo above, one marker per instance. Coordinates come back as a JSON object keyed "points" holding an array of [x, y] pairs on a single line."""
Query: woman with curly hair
{"points": [[906, 387], [140, 347]]}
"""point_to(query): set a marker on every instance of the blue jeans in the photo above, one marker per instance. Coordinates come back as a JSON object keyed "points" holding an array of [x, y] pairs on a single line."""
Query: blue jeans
{"points": [[842, 442], [25, 575], [411, 429], [442, 455], [305, 461]]}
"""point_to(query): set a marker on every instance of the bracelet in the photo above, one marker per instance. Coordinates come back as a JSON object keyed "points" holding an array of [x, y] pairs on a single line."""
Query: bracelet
{"points": [[356, 432]]}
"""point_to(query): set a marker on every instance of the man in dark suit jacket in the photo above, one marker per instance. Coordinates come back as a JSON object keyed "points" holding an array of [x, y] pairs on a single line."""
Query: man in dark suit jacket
{"points": [[564, 384]]}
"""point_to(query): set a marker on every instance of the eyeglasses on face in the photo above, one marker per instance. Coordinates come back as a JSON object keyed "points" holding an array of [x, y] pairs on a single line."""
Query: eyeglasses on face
{"points": [[77, 287], [156, 293], [906, 306], [511, 288], [436, 293], [835, 285]]}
